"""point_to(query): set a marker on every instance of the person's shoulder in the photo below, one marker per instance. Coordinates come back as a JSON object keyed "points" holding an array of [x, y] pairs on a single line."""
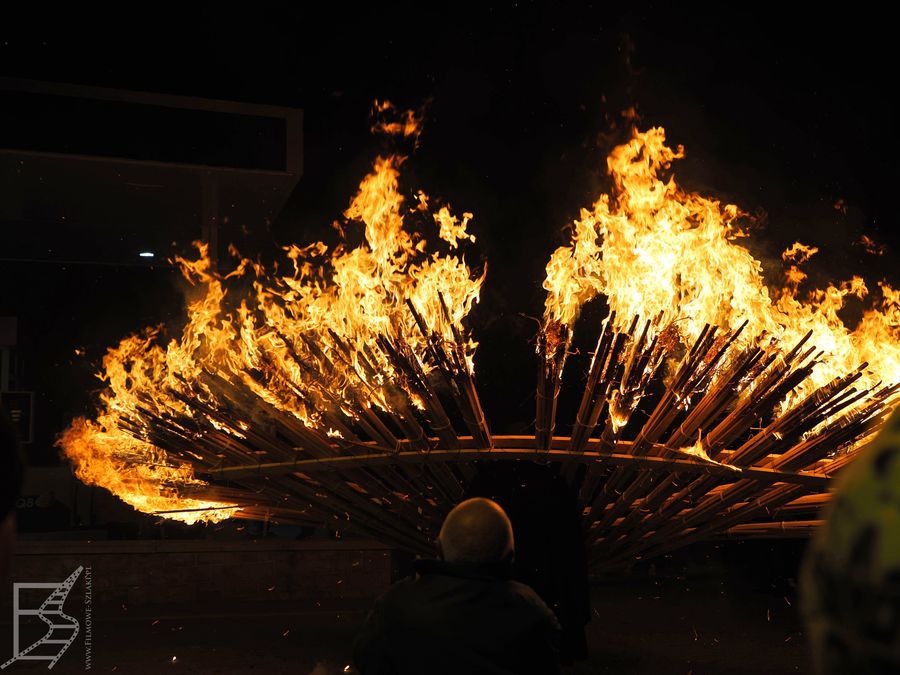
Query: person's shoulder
{"points": [[400, 591], [530, 604], [527, 597]]}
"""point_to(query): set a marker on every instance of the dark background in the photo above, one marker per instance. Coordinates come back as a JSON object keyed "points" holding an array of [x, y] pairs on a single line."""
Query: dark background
{"points": [[784, 115]]}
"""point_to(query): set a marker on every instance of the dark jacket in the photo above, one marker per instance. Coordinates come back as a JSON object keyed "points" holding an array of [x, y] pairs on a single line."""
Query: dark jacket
{"points": [[458, 619], [550, 550]]}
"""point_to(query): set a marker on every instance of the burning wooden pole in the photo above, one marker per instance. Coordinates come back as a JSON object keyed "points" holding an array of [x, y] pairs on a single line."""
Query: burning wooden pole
{"points": [[451, 362], [345, 392], [706, 516], [727, 387], [623, 383], [553, 343]]}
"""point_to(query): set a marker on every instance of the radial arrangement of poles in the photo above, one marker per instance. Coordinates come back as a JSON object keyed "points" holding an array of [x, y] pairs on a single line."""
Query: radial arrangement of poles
{"points": [[669, 443], [229, 418], [723, 402]]}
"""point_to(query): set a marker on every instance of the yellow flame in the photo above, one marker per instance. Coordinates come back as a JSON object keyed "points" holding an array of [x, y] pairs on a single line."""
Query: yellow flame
{"points": [[698, 450], [305, 343], [452, 229], [138, 473], [652, 247]]}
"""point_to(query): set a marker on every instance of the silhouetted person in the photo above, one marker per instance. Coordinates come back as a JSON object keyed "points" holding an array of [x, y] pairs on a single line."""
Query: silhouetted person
{"points": [[462, 615], [550, 550], [850, 584], [10, 480]]}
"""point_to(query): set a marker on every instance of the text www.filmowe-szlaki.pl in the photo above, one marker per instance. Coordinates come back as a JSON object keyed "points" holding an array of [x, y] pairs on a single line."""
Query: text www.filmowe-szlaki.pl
{"points": [[88, 622]]}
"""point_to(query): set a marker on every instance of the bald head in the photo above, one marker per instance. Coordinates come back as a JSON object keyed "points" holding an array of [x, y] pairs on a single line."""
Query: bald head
{"points": [[478, 531]]}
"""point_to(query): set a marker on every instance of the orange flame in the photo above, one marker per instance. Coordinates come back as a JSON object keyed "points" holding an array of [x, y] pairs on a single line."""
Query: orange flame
{"points": [[651, 248], [306, 344], [870, 246], [390, 121]]}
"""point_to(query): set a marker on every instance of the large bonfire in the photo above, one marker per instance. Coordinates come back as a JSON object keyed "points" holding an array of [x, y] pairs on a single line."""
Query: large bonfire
{"points": [[344, 390], [654, 250], [326, 350]]}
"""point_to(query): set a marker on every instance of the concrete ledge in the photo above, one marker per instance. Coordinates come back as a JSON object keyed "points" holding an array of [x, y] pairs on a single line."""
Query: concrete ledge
{"points": [[148, 573], [117, 547]]}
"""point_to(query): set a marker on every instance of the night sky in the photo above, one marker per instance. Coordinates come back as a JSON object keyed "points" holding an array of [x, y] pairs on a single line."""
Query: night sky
{"points": [[783, 115]]}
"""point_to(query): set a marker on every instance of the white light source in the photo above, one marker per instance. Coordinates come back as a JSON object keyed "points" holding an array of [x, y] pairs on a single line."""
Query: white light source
{"points": [[146, 254]]}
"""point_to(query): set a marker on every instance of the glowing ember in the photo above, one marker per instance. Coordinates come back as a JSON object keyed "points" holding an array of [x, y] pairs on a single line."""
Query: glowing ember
{"points": [[389, 120]]}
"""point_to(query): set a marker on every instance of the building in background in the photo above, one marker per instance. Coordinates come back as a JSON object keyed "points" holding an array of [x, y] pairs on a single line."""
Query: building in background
{"points": [[98, 189]]}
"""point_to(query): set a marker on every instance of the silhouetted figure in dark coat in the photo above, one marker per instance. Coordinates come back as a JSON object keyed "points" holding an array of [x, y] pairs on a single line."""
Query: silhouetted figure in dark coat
{"points": [[462, 615], [550, 550]]}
